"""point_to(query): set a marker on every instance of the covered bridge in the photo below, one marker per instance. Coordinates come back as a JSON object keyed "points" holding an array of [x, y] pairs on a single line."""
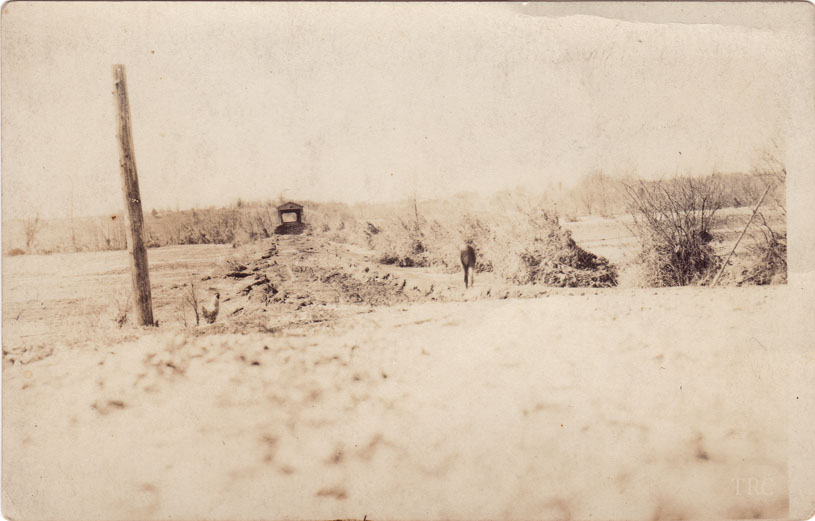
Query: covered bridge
{"points": [[290, 208], [289, 225]]}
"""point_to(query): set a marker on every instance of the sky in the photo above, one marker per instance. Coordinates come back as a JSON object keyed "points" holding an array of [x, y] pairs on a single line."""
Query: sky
{"points": [[376, 102]]}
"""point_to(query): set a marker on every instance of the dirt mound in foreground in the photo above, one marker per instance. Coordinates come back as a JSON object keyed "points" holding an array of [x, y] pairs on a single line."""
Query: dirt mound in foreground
{"points": [[301, 280]]}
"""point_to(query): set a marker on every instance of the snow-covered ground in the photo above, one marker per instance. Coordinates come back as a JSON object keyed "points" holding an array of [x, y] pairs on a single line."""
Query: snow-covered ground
{"points": [[626, 404]]}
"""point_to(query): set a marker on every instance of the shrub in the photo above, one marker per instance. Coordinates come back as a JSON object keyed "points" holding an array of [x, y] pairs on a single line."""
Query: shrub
{"points": [[553, 258], [674, 220], [403, 245], [768, 257], [123, 303]]}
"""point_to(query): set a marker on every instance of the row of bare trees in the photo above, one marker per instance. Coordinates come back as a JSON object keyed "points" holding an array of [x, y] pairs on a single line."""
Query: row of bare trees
{"points": [[597, 193]]}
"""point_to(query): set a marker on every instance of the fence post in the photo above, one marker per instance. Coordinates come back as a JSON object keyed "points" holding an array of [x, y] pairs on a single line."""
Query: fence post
{"points": [[134, 218]]}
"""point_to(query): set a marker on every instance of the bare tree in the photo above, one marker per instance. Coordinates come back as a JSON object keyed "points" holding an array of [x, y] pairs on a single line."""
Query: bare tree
{"points": [[586, 197], [123, 303], [31, 227], [191, 298]]}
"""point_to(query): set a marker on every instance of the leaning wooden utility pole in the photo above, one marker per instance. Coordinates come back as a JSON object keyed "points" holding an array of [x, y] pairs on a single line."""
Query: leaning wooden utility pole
{"points": [[134, 218]]}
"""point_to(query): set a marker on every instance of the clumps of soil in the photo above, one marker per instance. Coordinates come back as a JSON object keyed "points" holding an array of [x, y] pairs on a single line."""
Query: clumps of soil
{"points": [[308, 285], [371, 229], [104, 407], [166, 359], [262, 281], [403, 261], [336, 492], [301, 280], [26, 354], [167, 363]]}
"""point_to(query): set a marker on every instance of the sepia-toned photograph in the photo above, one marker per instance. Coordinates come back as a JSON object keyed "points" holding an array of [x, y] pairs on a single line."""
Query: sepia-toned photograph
{"points": [[408, 261]]}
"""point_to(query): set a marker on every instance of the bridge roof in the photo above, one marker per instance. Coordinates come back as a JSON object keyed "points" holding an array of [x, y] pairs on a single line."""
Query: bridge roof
{"points": [[290, 206]]}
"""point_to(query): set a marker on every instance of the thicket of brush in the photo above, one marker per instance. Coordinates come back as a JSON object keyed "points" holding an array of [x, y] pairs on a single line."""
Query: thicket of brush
{"points": [[522, 244], [675, 220], [768, 253], [553, 258]]}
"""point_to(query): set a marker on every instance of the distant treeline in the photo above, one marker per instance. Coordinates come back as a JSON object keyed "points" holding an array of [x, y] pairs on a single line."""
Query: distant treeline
{"points": [[242, 222], [600, 194]]}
